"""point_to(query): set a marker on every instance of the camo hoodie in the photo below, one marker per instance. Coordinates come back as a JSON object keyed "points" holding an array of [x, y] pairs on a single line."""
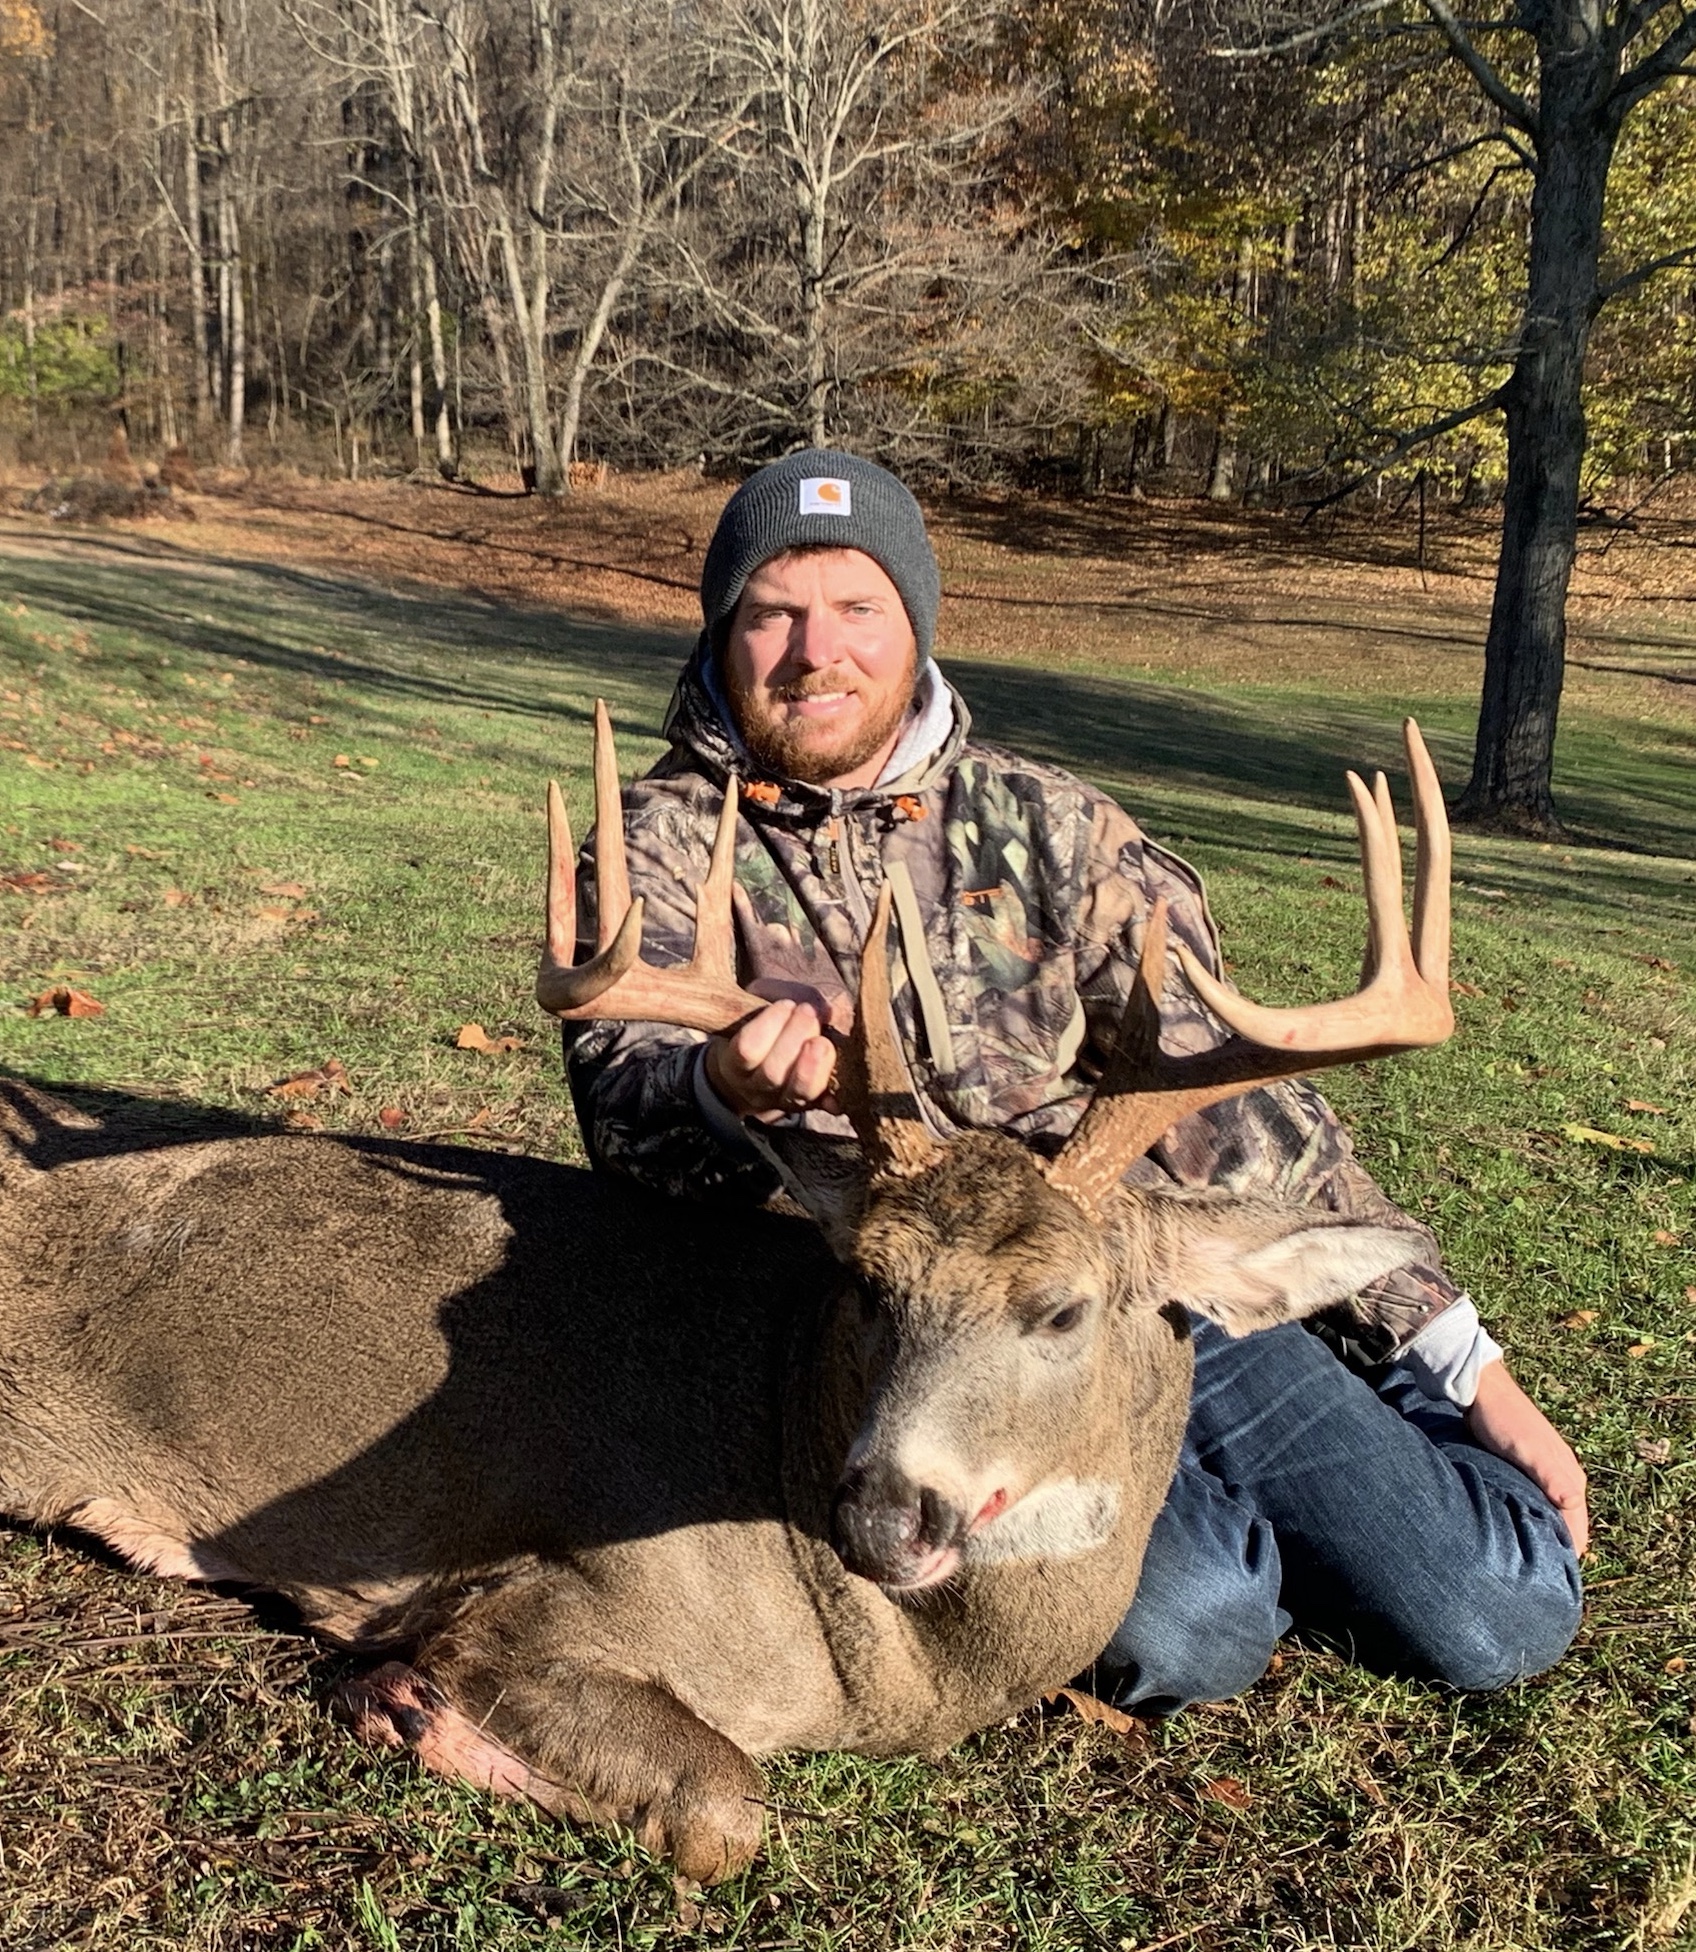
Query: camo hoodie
{"points": [[1020, 896]]}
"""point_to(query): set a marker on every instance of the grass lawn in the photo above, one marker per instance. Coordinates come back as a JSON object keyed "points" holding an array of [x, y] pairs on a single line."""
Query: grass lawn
{"points": [[269, 812]]}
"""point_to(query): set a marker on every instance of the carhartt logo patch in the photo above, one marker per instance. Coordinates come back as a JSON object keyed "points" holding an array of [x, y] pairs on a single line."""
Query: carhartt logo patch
{"points": [[825, 495]]}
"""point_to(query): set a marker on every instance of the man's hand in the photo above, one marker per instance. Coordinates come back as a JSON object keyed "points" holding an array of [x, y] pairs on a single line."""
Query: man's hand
{"points": [[776, 1063], [1505, 1420]]}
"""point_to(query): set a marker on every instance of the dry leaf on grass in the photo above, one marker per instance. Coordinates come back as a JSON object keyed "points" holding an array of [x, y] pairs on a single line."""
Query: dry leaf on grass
{"points": [[1101, 1712], [1227, 1790], [294, 890], [1580, 1318], [1690, 1296], [331, 1075], [1466, 989], [1653, 1450], [174, 898], [391, 1118], [303, 1122], [1588, 1135], [1664, 1239], [32, 881], [473, 1037], [63, 1002], [1643, 1105], [1642, 1348], [65, 846]]}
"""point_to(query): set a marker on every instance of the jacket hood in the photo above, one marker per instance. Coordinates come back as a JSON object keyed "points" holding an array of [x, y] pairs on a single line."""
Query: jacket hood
{"points": [[697, 724]]}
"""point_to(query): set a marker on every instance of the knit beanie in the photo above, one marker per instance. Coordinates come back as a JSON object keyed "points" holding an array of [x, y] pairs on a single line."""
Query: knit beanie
{"points": [[822, 496]]}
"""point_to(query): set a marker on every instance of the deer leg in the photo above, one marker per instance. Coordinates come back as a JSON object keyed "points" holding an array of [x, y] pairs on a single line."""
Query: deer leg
{"points": [[583, 1740]]}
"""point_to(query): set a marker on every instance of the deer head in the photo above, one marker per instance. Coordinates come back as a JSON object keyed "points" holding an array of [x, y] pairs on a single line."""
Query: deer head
{"points": [[1009, 1319]]}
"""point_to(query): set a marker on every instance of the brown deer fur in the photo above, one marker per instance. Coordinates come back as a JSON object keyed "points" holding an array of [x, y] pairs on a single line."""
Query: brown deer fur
{"points": [[638, 1490]]}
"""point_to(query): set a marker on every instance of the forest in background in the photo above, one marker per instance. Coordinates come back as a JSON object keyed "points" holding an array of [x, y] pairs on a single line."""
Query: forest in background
{"points": [[1077, 244]]}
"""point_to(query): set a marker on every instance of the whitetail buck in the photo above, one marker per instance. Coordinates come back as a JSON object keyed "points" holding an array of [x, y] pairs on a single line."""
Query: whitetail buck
{"points": [[637, 1491]]}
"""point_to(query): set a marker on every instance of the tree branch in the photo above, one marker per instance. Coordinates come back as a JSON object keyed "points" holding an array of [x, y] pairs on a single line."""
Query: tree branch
{"points": [[1432, 430], [1306, 37], [1668, 59], [1508, 100], [1642, 274]]}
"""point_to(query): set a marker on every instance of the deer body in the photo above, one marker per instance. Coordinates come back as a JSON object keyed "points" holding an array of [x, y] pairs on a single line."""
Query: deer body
{"points": [[448, 1402]]}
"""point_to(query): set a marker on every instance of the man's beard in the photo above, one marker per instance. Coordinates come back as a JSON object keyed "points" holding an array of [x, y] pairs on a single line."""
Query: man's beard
{"points": [[788, 748]]}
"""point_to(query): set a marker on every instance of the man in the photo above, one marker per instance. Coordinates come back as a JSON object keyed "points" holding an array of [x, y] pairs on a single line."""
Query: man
{"points": [[1430, 1518]]}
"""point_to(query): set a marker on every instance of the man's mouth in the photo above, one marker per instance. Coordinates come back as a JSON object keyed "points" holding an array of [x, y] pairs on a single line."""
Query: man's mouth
{"points": [[818, 704]]}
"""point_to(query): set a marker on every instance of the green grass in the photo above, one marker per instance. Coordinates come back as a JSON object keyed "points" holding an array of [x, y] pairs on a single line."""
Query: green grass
{"points": [[179, 728]]}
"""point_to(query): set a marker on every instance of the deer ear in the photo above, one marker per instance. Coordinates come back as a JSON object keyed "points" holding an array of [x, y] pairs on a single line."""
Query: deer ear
{"points": [[827, 1177], [1251, 1267]]}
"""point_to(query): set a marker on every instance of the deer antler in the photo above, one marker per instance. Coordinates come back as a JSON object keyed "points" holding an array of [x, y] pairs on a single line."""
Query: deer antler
{"points": [[872, 1080], [1402, 1004], [615, 982]]}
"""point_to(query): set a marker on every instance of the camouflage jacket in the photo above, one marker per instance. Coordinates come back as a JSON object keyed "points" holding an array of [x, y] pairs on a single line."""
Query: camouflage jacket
{"points": [[1020, 895]]}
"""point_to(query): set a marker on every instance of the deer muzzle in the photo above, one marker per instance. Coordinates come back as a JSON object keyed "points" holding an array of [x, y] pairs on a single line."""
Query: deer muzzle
{"points": [[902, 1535]]}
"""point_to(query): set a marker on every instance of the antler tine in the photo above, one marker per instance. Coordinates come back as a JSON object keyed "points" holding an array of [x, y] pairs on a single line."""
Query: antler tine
{"points": [[872, 1084], [1402, 1003], [1431, 879], [615, 982], [612, 876]]}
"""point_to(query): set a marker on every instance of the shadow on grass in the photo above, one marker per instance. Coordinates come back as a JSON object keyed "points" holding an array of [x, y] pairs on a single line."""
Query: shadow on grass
{"points": [[1211, 767]]}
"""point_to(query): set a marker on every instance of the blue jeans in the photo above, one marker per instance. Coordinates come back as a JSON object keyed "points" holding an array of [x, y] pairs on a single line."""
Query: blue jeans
{"points": [[1306, 1498]]}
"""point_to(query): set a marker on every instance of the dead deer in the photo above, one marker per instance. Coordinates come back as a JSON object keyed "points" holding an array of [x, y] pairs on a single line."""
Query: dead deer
{"points": [[634, 1491]]}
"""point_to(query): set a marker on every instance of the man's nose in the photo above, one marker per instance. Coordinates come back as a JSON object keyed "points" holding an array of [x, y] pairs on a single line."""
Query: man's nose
{"points": [[813, 638]]}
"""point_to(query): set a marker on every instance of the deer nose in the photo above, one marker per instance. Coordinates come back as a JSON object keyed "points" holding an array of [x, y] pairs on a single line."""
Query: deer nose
{"points": [[896, 1533]]}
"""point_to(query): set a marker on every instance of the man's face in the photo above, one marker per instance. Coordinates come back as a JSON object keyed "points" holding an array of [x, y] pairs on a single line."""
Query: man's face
{"points": [[820, 665]]}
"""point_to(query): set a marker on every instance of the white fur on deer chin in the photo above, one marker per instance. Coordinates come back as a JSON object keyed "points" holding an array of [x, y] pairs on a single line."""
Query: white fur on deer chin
{"points": [[1055, 1521]]}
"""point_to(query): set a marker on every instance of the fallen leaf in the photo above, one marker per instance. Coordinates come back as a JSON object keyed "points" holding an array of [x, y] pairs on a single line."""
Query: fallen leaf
{"points": [[364, 761], [1664, 1239], [341, 759], [62, 1002], [303, 1122], [1227, 1790], [1643, 1105], [272, 912], [174, 898], [1101, 1712], [1690, 1296], [1467, 989], [142, 853], [331, 1074], [478, 1119], [1653, 1450], [1580, 1318], [1676, 1665], [473, 1037], [1658, 962], [294, 890], [1588, 1135], [65, 846], [1370, 1789], [226, 799], [391, 1118], [31, 881], [1641, 1348], [1329, 881]]}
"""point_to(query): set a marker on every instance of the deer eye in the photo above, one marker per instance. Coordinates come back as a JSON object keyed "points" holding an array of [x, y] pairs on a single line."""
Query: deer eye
{"points": [[1064, 1318]]}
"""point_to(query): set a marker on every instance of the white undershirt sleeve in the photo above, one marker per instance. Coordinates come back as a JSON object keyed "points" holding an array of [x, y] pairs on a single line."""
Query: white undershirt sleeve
{"points": [[1447, 1354]]}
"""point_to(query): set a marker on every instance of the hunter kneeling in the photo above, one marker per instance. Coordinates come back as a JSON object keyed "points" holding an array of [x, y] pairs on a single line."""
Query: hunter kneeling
{"points": [[1382, 1482]]}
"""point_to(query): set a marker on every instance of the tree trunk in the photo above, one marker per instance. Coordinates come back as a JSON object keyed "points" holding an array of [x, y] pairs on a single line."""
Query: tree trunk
{"points": [[1525, 651], [235, 270], [446, 464], [193, 221]]}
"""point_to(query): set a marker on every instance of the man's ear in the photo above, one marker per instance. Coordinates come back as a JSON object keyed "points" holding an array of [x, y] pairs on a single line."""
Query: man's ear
{"points": [[826, 1177], [1249, 1267]]}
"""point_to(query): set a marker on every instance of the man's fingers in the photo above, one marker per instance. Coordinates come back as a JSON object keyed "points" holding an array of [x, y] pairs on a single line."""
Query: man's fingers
{"points": [[752, 1045], [812, 1070]]}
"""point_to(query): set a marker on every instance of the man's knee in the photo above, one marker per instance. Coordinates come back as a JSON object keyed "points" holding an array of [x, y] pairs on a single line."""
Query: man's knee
{"points": [[1201, 1632], [1496, 1633]]}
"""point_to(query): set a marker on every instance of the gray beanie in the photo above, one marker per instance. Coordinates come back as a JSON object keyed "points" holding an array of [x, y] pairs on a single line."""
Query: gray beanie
{"points": [[822, 496]]}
